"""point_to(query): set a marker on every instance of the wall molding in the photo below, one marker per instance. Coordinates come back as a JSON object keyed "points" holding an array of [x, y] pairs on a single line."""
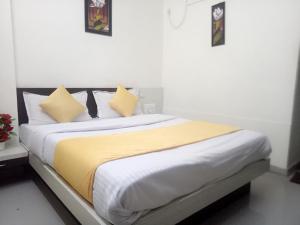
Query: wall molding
{"points": [[277, 132], [225, 116]]}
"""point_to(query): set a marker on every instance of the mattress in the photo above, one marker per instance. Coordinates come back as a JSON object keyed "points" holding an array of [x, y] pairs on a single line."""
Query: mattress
{"points": [[126, 189]]}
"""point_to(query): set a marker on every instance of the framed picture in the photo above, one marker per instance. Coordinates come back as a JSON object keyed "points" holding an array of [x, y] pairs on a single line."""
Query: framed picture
{"points": [[218, 24], [98, 16]]}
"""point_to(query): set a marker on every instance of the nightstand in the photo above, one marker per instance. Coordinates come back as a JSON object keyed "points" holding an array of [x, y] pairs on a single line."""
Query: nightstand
{"points": [[13, 161]]}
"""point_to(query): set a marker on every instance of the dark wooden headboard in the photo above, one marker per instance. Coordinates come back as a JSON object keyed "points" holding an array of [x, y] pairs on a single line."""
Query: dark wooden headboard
{"points": [[91, 104]]}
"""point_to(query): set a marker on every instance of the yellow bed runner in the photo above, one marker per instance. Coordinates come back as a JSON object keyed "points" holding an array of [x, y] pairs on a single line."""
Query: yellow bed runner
{"points": [[77, 159]]}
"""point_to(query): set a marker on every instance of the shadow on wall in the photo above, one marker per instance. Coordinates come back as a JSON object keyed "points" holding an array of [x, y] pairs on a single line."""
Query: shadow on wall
{"points": [[294, 150]]}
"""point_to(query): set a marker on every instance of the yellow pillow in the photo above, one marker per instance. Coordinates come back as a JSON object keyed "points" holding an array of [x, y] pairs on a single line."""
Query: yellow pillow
{"points": [[123, 102], [61, 106]]}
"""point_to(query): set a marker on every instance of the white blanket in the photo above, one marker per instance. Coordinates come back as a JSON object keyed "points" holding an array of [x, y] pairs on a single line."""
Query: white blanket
{"points": [[125, 189]]}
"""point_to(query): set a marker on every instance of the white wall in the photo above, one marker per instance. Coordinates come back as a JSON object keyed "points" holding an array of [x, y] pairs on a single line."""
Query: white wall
{"points": [[249, 81], [52, 47], [8, 99]]}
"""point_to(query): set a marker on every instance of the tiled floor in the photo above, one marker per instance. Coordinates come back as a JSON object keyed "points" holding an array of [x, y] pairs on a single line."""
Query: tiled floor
{"points": [[273, 201], [23, 203]]}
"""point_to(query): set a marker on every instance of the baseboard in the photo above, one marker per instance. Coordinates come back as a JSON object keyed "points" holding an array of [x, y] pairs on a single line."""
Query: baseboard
{"points": [[278, 170], [285, 172]]}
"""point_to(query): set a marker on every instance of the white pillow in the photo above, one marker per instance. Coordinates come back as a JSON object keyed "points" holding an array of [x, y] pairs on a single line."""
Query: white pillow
{"points": [[103, 98], [36, 116]]}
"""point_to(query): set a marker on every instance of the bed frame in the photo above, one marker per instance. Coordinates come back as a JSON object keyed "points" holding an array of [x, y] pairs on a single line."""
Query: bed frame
{"points": [[170, 214]]}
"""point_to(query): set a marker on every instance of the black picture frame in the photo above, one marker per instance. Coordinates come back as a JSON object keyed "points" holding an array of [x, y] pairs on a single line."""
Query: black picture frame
{"points": [[103, 27], [218, 24]]}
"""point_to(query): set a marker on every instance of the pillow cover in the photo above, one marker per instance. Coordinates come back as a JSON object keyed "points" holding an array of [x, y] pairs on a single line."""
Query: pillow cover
{"points": [[61, 106], [36, 116], [103, 98], [124, 102]]}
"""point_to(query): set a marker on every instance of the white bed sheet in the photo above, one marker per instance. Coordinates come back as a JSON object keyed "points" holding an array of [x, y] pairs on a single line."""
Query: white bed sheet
{"points": [[125, 189]]}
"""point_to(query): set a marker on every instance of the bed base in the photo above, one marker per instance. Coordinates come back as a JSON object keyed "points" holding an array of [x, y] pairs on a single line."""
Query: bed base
{"points": [[211, 210], [170, 214]]}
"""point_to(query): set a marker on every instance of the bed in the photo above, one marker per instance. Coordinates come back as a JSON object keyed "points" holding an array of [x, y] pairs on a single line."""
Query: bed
{"points": [[132, 190]]}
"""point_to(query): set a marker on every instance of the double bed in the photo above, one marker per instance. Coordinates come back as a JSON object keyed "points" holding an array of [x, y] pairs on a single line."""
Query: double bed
{"points": [[162, 187]]}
